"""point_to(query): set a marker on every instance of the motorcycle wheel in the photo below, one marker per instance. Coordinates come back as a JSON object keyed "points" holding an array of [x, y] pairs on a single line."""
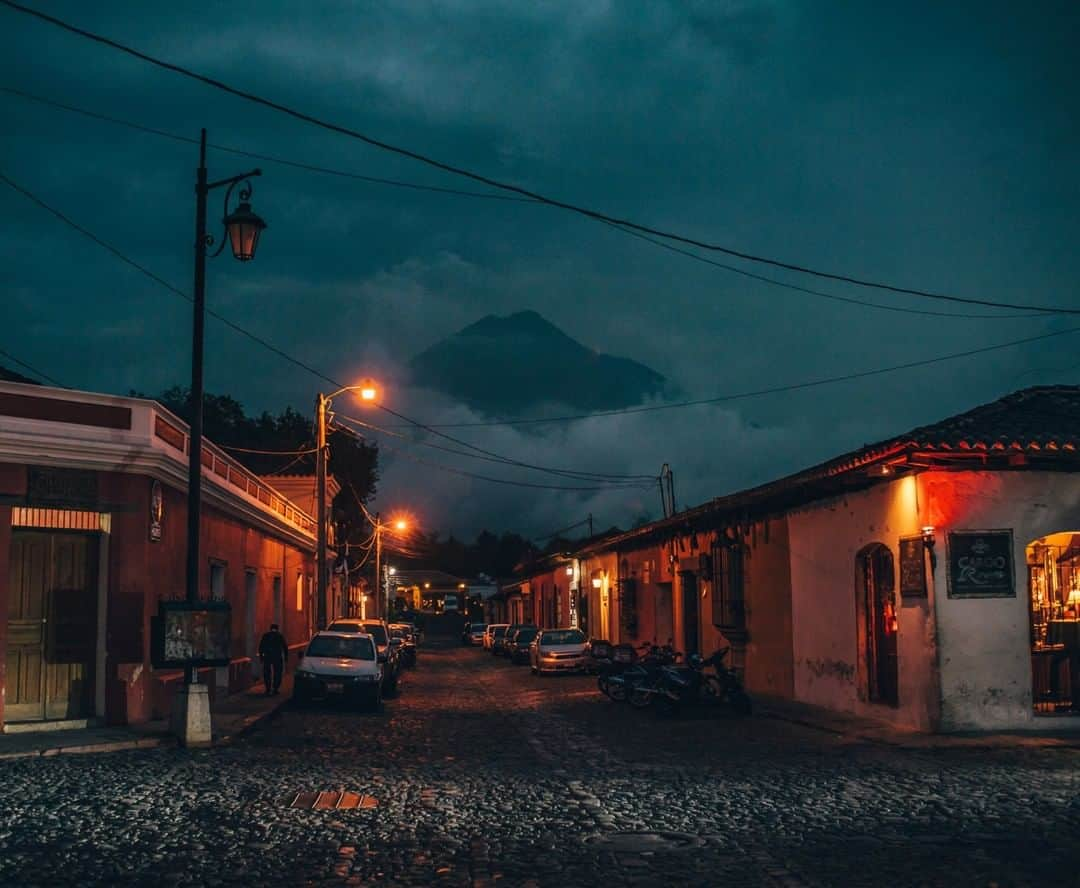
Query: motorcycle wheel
{"points": [[617, 692], [640, 698], [740, 701], [602, 684]]}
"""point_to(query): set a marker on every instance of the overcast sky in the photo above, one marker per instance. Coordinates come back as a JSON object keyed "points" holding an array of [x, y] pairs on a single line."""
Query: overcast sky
{"points": [[930, 145]]}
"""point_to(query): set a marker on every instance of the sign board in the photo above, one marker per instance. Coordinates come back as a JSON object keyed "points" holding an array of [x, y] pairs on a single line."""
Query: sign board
{"points": [[191, 633], [912, 567], [61, 488], [981, 564]]}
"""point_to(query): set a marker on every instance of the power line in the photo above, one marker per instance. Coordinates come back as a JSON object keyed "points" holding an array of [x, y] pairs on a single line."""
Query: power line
{"points": [[536, 421], [162, 282], [269, 452], [268, 158], [33, 370], [507, 481], [739, 396], [487, 456], [505, 186]]}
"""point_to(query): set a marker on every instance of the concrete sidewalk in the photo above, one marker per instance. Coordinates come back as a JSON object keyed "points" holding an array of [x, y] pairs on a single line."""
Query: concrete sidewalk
{"points": [[232, 716], [1049, 732]]}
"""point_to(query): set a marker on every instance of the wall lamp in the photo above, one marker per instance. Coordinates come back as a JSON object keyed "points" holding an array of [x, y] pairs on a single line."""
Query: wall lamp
{"points": [[929, 543], [597, 582]]}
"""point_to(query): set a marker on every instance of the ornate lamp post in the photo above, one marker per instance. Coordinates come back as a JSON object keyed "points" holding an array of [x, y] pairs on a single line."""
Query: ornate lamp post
{"points": [[242, 230]]}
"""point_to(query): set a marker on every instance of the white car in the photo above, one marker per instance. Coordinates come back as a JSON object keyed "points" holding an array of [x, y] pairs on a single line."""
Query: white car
{"points": [[342, 665], [489, 633], [557, 650]]}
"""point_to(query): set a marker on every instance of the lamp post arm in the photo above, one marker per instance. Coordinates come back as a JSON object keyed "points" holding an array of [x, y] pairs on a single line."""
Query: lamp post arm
{"points": [[232, 180]]}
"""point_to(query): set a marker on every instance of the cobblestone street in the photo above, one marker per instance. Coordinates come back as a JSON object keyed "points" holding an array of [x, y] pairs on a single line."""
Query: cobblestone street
{"points": [[486, 775]]}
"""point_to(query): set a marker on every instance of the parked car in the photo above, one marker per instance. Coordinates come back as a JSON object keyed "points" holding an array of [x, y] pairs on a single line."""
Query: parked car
{"points": [[558, 650], [497, 639], [508, 636], [477, 632], [489, 634], [407, 651], [466, 633], [518, 648], [387, 653], [339, 664]]}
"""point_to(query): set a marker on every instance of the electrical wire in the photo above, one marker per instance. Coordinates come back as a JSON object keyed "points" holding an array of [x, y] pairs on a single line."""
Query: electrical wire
{"points": [[32, 369], [267, 158], [505, 186], [542, 420], [479, 194], [756, 393], [567, 473], [270, 452]]}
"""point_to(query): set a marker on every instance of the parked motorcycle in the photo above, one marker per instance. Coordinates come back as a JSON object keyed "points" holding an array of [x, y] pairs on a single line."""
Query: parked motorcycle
{"points": [[672, 687], [644, 669]]}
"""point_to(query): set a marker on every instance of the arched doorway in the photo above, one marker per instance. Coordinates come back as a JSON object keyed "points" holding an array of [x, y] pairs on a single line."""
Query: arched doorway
{"points": [[1053, 565], [876, 609]]}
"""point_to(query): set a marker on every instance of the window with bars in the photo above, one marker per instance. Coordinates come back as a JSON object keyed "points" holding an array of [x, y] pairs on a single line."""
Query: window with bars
{"points": [[729, 586]]}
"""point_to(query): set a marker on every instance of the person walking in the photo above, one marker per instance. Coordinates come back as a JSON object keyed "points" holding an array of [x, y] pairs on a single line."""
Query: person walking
{"points": [[273, 652]]}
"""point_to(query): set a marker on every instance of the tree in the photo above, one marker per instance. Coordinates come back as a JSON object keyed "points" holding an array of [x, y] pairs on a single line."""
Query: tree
{"points": [[353, 461]]}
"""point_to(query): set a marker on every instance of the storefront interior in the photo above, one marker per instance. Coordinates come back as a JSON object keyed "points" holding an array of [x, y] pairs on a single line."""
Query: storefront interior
{"points": [[1053, 564]]}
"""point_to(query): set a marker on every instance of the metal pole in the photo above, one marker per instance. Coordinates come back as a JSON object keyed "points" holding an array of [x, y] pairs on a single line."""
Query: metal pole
{"points": [[320, 481], [194, 507], [378, 567]]}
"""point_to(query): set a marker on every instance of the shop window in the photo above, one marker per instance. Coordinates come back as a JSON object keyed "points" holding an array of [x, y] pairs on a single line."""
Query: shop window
{"points": [[729, 581], [1053, 565], [217, 581]]}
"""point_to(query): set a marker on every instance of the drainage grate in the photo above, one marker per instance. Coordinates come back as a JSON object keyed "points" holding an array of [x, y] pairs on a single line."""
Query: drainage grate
{"points": [[330, 800], [644, 842]]}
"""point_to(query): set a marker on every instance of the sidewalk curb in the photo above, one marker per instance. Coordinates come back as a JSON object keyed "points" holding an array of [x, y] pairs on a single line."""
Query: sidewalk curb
{"points": [[925, 741], [242, 726]]}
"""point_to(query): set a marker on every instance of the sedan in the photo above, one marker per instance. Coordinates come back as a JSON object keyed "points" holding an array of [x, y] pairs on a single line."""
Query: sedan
{"points": [[557, 650], [489, 634], [338, 664], [476, 633], [517, 649]]}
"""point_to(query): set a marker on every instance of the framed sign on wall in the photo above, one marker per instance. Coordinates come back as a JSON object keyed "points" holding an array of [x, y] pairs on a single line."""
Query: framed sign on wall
{"points": [[912, 567], [981, 564]]}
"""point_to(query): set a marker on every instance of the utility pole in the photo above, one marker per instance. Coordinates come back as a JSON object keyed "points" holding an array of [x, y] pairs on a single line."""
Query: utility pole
{"points": [[378, 568], [590, 525], [320, 482]]}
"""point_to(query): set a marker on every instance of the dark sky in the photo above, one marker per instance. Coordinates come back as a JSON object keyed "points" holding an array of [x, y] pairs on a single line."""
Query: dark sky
{"points": [[932, 145]]}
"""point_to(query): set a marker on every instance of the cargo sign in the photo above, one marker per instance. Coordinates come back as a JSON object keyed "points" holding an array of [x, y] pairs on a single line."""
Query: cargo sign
{"points": [[981, 564]]}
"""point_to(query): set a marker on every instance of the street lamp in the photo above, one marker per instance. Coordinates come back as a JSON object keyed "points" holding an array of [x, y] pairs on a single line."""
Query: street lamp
{"points": [[369, 392], [242, 230]]}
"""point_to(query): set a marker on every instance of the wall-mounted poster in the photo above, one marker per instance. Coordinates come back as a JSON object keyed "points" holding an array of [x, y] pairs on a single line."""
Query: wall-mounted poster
{"points": [[912, 567], [191, 634], [981, 564]]}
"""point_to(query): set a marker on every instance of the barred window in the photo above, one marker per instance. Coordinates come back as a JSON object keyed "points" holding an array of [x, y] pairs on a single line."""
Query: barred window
{"points": [[729, 603]]}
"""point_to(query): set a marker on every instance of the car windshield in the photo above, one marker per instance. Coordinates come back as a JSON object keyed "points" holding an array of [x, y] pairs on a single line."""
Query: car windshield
{"points": [[525, 635], [563, 636], [347, 626], [376, 631], [499, 631], [341, 647], [479, 627]]}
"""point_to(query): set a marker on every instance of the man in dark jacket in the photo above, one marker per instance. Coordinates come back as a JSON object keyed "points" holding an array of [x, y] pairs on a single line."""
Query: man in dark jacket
{"points": [[273, 651]]}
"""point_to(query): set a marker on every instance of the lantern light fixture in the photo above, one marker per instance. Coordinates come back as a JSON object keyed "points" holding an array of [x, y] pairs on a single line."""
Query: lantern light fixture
{"points": [[244, 227]]}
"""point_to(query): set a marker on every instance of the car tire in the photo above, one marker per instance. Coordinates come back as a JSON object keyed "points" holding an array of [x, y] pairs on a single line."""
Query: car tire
{"points": [[534, 670], [375, 702]]}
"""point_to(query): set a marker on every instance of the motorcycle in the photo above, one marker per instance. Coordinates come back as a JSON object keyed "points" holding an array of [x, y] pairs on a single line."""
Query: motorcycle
{"points": [[612, 663], [673, 687], [644, 671]]}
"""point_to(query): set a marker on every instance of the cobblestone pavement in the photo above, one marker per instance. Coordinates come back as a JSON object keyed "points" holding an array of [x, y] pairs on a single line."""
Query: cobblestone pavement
{"points": [[488, 776]]}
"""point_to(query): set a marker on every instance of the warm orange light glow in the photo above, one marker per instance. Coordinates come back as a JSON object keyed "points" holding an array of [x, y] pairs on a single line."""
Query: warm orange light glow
{"points": [[401, 524], [369, 390], [427, 585]]}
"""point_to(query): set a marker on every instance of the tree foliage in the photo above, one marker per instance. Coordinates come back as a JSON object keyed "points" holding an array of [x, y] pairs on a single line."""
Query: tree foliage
{"points": [[353, 461]]}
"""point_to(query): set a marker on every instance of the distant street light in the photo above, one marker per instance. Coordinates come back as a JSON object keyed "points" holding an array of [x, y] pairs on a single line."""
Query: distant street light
{"points": [[369, 392], [401, 524]]}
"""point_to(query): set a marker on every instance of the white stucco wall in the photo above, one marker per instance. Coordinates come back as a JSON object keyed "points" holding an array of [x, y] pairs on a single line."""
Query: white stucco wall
{"points": [[825, 539], [985, 642]]}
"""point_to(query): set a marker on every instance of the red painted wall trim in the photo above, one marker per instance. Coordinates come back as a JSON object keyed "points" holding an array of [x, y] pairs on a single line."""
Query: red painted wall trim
{"points": [[56, 410]]}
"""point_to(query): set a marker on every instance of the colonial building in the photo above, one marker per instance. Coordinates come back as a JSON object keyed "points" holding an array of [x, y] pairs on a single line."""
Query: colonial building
{"points": [[931, 580], [93, 536]]}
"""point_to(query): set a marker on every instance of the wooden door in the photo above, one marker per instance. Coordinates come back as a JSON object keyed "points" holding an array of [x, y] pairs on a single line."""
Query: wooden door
{"points": [[52, 626], [879, 603], [664, 620]]}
